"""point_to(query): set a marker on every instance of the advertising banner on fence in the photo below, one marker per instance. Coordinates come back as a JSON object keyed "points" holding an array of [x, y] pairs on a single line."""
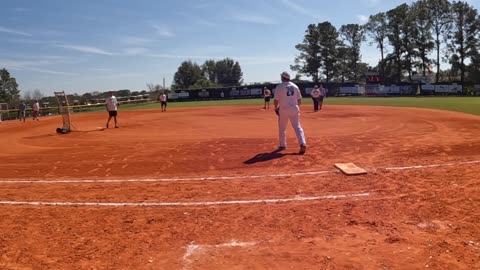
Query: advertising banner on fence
{"points": [[183, 95], [204, 93], [442, 88], [256, 91], [172, 96], [455, 88]]}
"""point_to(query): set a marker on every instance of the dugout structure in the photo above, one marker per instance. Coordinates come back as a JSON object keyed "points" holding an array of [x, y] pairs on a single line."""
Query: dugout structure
{"points": [[64, 111]]}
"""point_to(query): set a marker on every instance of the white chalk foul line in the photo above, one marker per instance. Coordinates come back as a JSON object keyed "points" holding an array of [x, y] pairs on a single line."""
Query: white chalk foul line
{"points": [[225, 178], [176, 204], [213, 178], [431, 165]]}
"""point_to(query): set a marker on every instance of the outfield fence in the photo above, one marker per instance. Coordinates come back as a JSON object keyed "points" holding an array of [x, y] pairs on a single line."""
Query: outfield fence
{"points": [[13, 114]]}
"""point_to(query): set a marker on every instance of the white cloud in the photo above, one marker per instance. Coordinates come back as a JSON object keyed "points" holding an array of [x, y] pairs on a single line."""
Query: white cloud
{"points": [[179, 56], [32, 65], [299, 8], [14, 32], [206, 23], [86, 49], [135, 51], [163, 30], [129, 40], [250, 18], [53, 72], [362, 18], [101, 69], [48, 32]]}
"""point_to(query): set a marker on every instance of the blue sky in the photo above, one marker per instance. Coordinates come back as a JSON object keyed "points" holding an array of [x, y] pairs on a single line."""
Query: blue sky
{"points": [[84, 46]]}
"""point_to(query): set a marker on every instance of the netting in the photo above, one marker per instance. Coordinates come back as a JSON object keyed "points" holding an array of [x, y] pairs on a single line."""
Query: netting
{"points": [[64, 110]]}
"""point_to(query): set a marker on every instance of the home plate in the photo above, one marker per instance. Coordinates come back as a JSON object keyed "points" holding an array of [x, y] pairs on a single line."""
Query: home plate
{"points": [[350, 168]]}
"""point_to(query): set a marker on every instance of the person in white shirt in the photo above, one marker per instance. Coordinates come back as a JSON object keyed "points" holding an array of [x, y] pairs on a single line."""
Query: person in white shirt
{"points": [[36, 110], [315, 97], [287, 105], [267, 94], [111, 104], [163, 102], [323, 94]]}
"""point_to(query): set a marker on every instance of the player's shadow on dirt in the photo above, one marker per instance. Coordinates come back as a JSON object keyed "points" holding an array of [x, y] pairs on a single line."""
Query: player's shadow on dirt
{"points": [[268, 156], [56, 134]]}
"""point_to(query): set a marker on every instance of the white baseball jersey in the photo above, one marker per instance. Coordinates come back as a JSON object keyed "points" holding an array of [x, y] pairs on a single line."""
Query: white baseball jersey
{"points": [[315, 93], [163, 97], [112, 103], [287, 94], [266, 93], [36, 107]]}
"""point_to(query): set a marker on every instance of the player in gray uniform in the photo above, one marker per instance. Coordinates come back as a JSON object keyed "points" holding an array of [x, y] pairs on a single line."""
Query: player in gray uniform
{"points": [[287, 105]]}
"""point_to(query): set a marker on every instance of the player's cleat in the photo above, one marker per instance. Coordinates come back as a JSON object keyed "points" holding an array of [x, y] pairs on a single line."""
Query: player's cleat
{"points": [[303, 148], [116, 126], [280, 148]]}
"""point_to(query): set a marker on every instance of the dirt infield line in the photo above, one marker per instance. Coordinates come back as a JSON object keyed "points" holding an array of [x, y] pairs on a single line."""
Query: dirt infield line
{"points": [[175, 204], [224, 178]]}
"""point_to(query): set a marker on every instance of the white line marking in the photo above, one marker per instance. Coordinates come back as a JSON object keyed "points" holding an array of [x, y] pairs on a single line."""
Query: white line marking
{"points": [[173, 204], [431, 166], [193, 249], [213, 178], [225, 178]]}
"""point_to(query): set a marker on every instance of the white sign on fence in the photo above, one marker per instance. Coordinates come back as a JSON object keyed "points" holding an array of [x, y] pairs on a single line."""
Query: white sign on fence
{"points": [[351, 90], [172, 96], [183, 95], [256, 91], [455, 88], [441, 88], [428, 87]]}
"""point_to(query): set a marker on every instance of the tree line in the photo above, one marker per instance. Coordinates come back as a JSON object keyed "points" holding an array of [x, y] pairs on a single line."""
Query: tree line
{"points": [[9, 92], [411, 33]]}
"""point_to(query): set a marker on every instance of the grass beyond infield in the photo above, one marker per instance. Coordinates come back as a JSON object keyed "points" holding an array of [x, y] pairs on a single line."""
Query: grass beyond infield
{"points": [[469, 105]]}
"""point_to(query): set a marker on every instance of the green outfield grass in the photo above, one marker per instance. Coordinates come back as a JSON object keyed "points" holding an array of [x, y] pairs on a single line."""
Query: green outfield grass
{"points": [[459, 104]]}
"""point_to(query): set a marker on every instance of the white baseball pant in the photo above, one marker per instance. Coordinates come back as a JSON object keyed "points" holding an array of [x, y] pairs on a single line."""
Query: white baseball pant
{"points": [[294, 117]]}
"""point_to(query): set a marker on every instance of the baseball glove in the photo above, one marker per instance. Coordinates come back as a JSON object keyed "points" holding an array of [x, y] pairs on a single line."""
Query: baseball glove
{"points": [[277, 111]]}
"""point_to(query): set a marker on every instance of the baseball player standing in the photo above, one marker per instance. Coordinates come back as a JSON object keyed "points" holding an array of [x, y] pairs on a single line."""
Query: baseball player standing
{"points": [[163, 102], [323, 94], [36, 110], [266, 96], [287, 105], [111, 104], [315, 97]]}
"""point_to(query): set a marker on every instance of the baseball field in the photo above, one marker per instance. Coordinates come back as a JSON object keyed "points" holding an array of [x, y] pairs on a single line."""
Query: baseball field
{"points": [[202, 187]]}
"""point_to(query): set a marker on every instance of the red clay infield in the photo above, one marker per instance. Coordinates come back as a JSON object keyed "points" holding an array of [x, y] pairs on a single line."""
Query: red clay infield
{"points": [[202, 188]]}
